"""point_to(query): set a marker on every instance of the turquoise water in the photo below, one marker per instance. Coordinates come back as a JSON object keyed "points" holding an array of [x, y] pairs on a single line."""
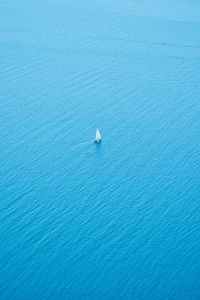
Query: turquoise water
{"points": [[119, 220]]}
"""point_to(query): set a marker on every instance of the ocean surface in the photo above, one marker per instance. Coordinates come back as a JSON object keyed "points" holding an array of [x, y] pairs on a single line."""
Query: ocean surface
{"points": [[118, 220]]}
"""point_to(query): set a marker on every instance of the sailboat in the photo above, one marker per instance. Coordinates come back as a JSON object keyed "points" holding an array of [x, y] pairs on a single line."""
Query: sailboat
{"points": [[97, 137]]}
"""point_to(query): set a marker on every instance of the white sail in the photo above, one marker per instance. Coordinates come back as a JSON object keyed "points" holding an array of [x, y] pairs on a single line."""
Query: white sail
{"points": [[98, 135]]}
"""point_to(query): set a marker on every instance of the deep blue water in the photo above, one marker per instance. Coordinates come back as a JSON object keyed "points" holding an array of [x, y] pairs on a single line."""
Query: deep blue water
{"points": [[119, 220]]}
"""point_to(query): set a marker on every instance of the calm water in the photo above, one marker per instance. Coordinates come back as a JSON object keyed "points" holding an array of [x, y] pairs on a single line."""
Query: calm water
{"points": [[119, 220]]}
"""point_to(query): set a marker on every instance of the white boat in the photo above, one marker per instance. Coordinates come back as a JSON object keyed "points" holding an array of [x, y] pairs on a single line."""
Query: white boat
{"points": [[97, 137]]}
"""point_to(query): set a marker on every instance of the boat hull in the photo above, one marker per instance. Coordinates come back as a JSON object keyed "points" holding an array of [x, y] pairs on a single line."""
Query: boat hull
{"points": [[97, 141]]}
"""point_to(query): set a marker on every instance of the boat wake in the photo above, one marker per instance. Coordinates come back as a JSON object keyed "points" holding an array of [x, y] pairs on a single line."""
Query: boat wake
{"points": [[83, 144]]}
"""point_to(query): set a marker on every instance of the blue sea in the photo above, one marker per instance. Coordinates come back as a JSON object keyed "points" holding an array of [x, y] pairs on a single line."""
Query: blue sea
{"points": [[119, 220]]}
